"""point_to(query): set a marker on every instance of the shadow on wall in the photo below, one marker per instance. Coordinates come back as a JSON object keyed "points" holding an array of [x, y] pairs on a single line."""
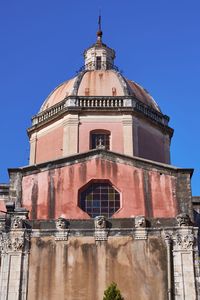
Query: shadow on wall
{"points": [[197, 223]]}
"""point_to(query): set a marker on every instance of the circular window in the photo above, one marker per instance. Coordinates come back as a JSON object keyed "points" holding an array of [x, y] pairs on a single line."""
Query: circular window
{"points": [[99, 199]]}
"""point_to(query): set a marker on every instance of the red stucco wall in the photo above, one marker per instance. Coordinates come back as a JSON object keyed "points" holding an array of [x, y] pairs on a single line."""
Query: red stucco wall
{"points": [[116, 137], [151, 144], [163, 191], [49, 146], [52, 193]]}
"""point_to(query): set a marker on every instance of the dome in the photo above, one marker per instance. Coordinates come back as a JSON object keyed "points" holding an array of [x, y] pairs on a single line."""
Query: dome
{"points": [[99, 83], [99, 78]]}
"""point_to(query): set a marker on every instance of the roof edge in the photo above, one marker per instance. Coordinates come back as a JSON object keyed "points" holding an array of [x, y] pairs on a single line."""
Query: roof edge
{"points": [[102, 154]]}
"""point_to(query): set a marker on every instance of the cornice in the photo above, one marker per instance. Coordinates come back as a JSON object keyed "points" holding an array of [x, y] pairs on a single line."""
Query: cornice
{"points": [[100, 104]]}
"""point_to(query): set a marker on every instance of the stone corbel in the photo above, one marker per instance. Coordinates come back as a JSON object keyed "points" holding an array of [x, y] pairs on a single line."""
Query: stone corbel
{"points": [[101, 231], [18, 219], [183, 220], [62, 229], [140, 228]]}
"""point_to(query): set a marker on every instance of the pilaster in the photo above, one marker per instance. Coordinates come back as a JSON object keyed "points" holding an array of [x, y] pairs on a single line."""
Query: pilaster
{"points": [[183, 241], [127, 123], [14, 246], [33, 146], [183, 260], [70, 134]]}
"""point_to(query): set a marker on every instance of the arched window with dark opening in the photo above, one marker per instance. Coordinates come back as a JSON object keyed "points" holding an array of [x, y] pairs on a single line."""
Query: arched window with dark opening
{"points": [[98, 62], [100, 139], [99, 199]]}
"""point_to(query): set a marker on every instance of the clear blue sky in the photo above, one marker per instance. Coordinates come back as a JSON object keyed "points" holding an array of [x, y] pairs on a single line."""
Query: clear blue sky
{"points": [[157, 44]]}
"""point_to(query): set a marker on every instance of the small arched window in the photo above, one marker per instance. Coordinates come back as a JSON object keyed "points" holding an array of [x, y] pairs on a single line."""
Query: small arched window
{"points": [[99, 199], [100, 139], [98, 62]]}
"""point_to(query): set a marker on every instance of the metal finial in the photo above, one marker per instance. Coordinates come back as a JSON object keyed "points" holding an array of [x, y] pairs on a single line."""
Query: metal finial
{"points": [[99, 32], [99, 22]]}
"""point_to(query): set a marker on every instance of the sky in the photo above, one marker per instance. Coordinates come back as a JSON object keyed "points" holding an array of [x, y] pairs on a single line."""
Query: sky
{"points": [[157, 44]]}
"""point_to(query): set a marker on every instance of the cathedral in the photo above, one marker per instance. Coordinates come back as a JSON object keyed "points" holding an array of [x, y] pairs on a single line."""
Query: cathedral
{"points": [[100, 201]]}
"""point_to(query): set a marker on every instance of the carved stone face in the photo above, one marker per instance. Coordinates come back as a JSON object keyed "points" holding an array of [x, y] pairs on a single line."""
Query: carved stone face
{"points": [[60, 223], [140, 222], [16, 223], [100, 222], [183, 219]]}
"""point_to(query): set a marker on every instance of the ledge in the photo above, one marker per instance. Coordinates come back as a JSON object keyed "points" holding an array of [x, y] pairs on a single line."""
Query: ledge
{"points": [[101, 153]]}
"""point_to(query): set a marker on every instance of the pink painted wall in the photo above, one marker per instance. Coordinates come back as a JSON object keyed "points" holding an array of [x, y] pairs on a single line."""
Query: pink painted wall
{"points": [[163, 191], [2, 206], [116, 136], [53, 193], [49, 146], [152, 144]]}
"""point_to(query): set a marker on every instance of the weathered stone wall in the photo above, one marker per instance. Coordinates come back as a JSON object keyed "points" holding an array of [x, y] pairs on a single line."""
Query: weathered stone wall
{"points": [[82, 269], [78, 259]]}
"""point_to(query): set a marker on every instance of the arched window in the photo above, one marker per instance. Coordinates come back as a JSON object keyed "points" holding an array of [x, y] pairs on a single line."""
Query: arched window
{"points": [[100, 139], [98, 62], [99, 199]]}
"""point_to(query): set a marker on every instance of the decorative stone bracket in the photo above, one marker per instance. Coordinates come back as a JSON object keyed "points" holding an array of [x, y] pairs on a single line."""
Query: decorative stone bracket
{"points": [[101, 232], [140, 232], [62, 230]]}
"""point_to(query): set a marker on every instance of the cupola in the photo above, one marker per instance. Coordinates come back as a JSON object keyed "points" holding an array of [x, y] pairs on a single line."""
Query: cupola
{"points": [[99, 56]]}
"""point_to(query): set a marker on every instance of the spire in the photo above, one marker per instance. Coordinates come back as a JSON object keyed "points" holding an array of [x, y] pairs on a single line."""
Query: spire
{"points": [[99, 32]]}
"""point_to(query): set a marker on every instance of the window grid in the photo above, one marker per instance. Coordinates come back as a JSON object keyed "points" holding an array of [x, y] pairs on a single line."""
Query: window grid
{"points": [[100, 139], [100, 199]]}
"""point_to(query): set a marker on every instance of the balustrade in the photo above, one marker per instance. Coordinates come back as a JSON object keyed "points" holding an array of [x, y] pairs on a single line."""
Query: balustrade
{"points": [[101, 102], [98, 102]]}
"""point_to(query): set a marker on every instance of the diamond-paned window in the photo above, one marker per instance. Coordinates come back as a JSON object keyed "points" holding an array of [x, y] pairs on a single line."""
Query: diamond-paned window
{"points": [[100, 199]]}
